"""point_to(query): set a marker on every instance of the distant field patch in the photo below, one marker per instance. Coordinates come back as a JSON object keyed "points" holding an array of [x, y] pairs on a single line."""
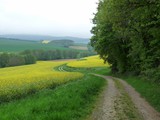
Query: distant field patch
{"points": [[45, 41], [93, 61], [79, 47]]}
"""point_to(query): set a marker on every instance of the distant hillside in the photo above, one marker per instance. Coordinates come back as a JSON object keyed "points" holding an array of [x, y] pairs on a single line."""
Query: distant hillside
{"points": [[14, 45], [44, 37]]}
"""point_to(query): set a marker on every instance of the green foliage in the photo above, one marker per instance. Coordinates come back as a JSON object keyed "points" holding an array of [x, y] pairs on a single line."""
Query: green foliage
{"points": [[29, 59], [90, 48], [126, 34], [4, 59], [56, 54], [12, 59], [16, 60], [63, 43]]}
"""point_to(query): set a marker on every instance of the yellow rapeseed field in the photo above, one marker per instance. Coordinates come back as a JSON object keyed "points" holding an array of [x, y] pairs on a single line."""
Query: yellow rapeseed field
{"points": [[21, 79], [93, 61]]}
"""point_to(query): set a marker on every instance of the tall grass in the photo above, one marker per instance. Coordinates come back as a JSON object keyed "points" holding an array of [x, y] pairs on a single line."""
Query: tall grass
{"points": [[71, 101]]}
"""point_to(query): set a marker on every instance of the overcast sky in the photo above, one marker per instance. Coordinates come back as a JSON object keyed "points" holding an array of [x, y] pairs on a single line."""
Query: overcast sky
{"points": [[47, 17]]}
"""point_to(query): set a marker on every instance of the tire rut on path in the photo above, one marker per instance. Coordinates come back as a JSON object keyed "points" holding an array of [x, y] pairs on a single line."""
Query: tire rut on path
{"points": [[106, 108]]}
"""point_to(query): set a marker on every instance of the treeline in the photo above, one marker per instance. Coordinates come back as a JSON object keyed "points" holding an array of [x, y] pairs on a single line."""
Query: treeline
{"points": [[127, 35], [62, 43], [31, 56], [11, 59], [56, 54]]}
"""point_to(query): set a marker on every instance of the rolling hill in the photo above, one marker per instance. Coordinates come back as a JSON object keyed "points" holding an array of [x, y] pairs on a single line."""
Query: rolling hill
{"points": [[44, 37], [16, 45]]}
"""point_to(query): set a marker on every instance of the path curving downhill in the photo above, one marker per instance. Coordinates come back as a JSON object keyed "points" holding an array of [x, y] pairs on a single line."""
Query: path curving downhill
{"points": [[119, 101]]}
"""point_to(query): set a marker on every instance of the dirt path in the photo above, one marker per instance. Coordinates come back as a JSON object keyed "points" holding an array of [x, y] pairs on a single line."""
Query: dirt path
{"points": [[106, 107], [119, 101], [145, 109]]}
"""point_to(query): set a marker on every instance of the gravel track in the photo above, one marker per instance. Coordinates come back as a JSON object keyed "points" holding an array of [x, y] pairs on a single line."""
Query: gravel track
{"points": [[105, 108]]}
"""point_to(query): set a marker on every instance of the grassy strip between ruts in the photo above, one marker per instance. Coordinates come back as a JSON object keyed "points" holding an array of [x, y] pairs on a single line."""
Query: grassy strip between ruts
{"points": [[124, 106], [71, 101]]}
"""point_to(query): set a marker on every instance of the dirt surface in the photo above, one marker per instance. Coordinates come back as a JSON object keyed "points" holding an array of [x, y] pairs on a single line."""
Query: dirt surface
{"points": [[106, 107], [119, 101]]}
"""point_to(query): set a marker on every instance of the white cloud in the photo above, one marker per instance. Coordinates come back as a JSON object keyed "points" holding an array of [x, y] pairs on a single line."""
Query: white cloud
{"points": [[61, 17]]}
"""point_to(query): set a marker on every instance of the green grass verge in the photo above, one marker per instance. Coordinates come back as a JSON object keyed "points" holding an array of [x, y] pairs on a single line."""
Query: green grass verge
{"points": [[71, 101]]}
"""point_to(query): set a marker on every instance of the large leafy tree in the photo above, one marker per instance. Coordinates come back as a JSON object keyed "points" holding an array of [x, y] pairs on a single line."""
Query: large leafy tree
{"points": [[126, 33]]}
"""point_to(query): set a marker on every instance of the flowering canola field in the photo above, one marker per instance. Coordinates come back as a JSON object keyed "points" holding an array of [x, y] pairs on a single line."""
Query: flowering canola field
{"points": [[28, 78], [93, 61], [21, 79]]}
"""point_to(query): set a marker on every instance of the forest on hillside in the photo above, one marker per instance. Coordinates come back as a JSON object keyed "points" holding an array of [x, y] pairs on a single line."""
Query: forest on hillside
{"points": [[31, 56], [126, 33]]}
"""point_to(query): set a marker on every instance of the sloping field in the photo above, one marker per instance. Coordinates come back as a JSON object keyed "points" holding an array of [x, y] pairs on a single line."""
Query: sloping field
{"points": [[23, 79], [93, 61], [13, 45]]}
